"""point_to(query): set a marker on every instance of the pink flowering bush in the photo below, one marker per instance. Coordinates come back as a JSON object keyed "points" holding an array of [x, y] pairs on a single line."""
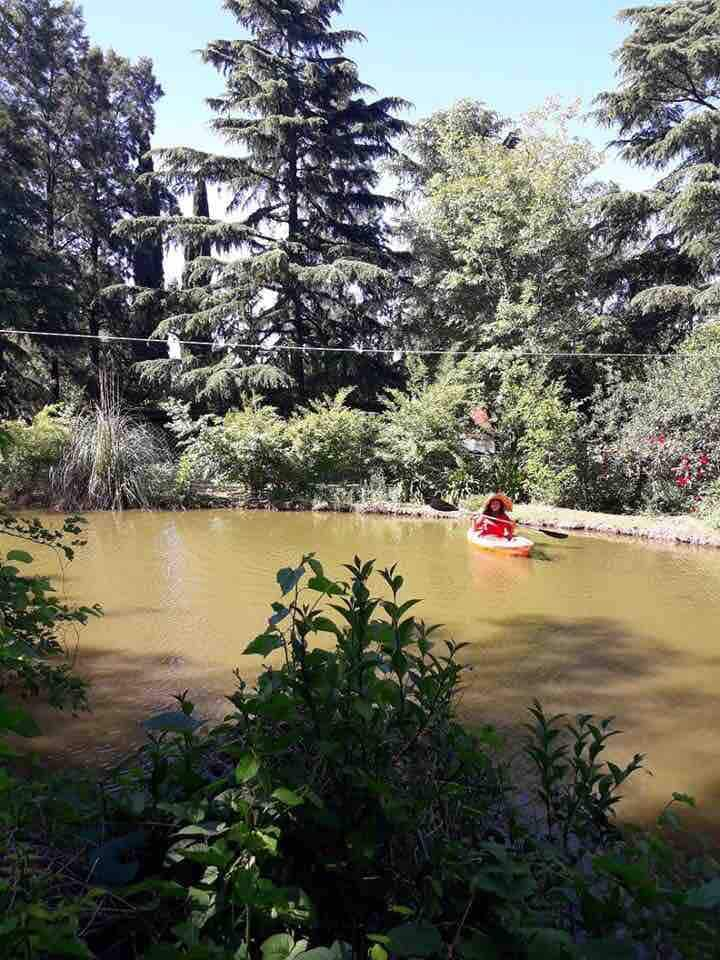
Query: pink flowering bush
{"points": [[667, 444]]}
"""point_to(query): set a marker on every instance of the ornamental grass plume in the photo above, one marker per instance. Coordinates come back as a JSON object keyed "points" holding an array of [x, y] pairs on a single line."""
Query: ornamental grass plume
{"points": [[109, 459]]}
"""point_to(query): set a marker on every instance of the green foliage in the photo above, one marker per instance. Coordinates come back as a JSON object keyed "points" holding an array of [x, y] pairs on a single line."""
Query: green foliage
{"points": [[75, 122], [110, 459], [301, 256], [709, 507], [421, 429], [499, 232], [537, 428], [341, 802], [667, 446], [33, 619], [32, 449], [331, 442], [664, 111], [249, 446]]}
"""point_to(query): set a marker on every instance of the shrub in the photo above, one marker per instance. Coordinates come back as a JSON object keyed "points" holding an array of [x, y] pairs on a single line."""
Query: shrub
{"points": [[250, 446], [32, 449], [109, 458], [33, 618], [709, 506], [331, 442], [421, 429], [342, 803], [341, 810], [669, 443]]}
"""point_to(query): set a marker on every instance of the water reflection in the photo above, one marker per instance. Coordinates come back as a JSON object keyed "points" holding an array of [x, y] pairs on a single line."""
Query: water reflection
{"points": [[491, 574]]}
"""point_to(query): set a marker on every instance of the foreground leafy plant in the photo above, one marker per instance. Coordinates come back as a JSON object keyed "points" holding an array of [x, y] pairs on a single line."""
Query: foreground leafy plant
{"points": [[33, 618], [342, 803]]}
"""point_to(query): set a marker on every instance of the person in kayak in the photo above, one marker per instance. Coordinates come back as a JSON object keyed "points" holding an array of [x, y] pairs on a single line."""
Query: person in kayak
{"points": [[494, 521]]}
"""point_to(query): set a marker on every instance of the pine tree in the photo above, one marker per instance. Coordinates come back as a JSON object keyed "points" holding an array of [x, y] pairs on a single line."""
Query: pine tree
{"points": [[33, 281], [666, 109], [87, 120], [41, 46], [307, 238]]}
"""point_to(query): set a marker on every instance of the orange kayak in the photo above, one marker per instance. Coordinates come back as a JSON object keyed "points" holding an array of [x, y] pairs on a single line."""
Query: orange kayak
{"points": [[516, 547]]}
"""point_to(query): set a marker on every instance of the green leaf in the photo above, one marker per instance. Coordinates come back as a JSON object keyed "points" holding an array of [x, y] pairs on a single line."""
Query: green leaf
{"points": [[279, 615], [323, 585], [684, 798], [19, 556], [706, 897], [289, 578], [281, 946], [60, 945], [16, 720], [246, 768], [173, 721], [264, 644], [415, 940], [377, 952], [112, 863], [547, 944], [288, 797], [338, 951]]}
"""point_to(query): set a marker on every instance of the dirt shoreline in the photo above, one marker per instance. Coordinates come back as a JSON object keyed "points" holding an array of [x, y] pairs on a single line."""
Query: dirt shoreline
{"points": [[684, 529]]}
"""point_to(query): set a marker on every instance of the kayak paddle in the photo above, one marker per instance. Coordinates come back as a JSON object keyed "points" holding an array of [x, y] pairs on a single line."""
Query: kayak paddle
{"points": [[443, 506]]}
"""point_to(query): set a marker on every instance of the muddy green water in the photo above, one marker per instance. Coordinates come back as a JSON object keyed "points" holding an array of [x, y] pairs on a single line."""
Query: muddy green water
{"points": [[594, 625]]}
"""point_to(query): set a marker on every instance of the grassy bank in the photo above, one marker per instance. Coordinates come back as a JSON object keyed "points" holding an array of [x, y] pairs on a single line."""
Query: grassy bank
{"points": [[677, 529], [683, 528]]}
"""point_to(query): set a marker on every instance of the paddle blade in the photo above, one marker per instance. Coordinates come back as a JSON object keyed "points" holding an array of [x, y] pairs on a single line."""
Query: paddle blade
{"points": [[556, 535]]}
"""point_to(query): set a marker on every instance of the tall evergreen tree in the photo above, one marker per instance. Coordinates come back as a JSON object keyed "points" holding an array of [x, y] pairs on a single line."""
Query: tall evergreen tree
{"points": [[308, 236], [667, 112], [33, 282], [87, 120], [42, 44]]}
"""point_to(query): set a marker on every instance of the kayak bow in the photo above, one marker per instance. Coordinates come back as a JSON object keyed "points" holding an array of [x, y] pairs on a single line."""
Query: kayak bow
{"points": [[516, 547]]}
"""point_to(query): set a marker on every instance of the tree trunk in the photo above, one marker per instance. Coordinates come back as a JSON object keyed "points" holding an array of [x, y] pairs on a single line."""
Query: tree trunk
{"points": [[297, 359]]}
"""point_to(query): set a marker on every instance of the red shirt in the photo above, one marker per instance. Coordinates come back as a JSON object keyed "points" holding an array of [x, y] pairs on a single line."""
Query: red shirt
{"points": [[497, 525]]}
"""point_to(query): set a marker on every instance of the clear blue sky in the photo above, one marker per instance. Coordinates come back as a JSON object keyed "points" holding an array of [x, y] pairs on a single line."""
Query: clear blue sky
{"points": [[512, 55]]}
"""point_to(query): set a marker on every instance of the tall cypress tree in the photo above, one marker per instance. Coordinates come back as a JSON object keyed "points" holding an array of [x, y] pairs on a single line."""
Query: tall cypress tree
{"points": [[307, 233], [667, 112]]}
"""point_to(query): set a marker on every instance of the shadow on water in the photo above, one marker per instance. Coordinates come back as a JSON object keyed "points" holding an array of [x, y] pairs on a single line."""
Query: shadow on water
{"points": [[596, 665], [126, 688], [583, 665]]}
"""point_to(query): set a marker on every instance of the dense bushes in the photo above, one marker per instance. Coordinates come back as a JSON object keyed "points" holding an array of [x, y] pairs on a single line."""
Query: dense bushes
{"points": [[98, 458], [32, 449], [342, 811], [414, 444], [657, 440], [32, 616], [635, 445]]}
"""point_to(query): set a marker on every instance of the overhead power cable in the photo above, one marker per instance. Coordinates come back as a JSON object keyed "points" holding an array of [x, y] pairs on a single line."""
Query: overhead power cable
{"points": [[393, 351]]}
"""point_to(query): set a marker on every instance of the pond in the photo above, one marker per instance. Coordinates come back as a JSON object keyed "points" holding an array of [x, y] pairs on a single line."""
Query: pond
{"points": [[592, 625]]}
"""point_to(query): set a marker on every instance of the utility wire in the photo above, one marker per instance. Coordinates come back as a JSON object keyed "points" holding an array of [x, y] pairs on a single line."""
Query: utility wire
{"points": [[309, 349]]}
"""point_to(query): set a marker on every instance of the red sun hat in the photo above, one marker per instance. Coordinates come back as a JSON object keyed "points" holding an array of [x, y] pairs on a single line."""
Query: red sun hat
{"points": [[503, 498]]}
